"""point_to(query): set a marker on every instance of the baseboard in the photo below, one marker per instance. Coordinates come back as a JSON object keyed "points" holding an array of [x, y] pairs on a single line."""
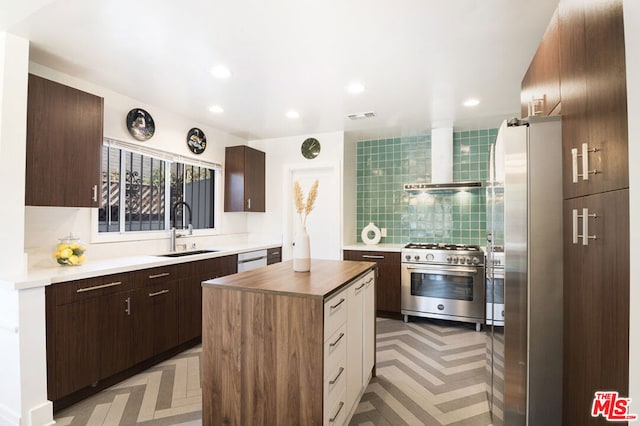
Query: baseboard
{"points": [[8, 417], [42, 415]]}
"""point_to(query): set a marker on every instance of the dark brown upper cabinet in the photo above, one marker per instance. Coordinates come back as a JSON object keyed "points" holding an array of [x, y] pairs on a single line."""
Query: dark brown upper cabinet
{"points": [[64, 143], [244, 187], [594, 97], [540, 94]]}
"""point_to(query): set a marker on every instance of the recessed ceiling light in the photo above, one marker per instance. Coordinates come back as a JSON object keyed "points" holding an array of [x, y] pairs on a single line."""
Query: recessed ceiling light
{"points": [[216, 109], [355, 87], [471, 102], [220, 71], [292, 114]]}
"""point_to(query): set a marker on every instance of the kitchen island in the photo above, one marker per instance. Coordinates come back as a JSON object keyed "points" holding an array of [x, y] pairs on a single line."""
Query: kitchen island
{"points": [[275, 344]]}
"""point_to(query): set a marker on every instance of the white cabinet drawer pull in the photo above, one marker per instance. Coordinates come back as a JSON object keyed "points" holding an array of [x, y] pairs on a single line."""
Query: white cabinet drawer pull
{"points": [[369, 281], [94, 193], [332, 344], [335, 379], [98, 287], [163, 274], [357, 289], [127, 301], [158, 293], [335, 416], [340, 302]]}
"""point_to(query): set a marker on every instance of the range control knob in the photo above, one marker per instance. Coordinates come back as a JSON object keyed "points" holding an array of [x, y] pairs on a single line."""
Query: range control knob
{"points": [[468, 261], [449, 259], [416, 257], [454, 259], [408, 257], [476, 260], [429, 257]]}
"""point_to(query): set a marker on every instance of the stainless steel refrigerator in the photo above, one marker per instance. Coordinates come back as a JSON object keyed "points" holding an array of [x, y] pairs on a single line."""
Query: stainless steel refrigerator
{"points": [[525, 357]]}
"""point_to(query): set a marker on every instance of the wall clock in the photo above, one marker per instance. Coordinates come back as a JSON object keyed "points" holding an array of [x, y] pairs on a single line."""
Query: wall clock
{"points": [[310, 148], [196, 140], [140, 124]]}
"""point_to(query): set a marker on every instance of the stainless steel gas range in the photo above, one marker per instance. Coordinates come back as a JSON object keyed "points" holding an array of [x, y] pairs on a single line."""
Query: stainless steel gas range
{"points": [[443, 281]]}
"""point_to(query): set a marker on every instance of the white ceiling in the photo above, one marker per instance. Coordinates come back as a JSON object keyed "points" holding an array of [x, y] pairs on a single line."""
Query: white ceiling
{"points": [[418, 59]]}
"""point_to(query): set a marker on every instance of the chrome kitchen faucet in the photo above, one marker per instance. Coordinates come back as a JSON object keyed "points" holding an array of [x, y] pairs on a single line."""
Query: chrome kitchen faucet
{"points": [[174, 235]]}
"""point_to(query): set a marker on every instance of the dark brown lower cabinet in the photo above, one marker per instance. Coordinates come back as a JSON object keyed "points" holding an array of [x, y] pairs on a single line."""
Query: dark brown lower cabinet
{"points": [[190, 306], [388, 281], [117, 325], [76, 354], [156, 322], [596, 303], [105, 327], [274, 255]]}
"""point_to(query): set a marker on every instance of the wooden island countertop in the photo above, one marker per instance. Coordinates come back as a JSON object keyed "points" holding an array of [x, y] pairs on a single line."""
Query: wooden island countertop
{"points": [[324, 279]]}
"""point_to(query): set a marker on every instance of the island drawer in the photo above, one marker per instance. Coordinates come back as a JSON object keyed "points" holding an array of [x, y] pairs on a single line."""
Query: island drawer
{"points": [[335, 313]]}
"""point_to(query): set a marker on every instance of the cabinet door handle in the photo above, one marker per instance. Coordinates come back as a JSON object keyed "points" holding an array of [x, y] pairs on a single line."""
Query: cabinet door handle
{"points": [[585, 226], [357, 289], [332, 344], [335, 416], [585, 150], [340, 302], [369, 281], [248, 203], [163, 274], [94, 193], [335, 379], [158, 293], [275, 253], [98, 287], [372, 256], [127, 302], [574, 165]]}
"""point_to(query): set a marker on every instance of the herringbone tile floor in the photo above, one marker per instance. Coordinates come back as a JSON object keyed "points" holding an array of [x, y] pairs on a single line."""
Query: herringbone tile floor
{"points": [[428, 373]]}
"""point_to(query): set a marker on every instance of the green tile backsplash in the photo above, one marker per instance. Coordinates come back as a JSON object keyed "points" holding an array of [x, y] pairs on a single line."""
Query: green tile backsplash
{"points": [[384, 165]]}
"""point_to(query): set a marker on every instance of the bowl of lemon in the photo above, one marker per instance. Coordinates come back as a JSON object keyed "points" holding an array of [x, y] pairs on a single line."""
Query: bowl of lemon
{"points": [[70, 251]]}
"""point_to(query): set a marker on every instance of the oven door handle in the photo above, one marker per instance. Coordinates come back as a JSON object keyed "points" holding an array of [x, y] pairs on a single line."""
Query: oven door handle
{"points": [[441, 269]]}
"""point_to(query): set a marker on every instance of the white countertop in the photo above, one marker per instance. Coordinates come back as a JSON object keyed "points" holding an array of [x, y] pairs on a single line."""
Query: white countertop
{"points": [[39, 277], [375, 247]]}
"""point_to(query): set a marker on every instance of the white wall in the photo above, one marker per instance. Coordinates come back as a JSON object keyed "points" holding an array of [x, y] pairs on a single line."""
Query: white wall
{"points": [[283, 158], [23, 391], [632, 45], [44, 225], [350, 190]]}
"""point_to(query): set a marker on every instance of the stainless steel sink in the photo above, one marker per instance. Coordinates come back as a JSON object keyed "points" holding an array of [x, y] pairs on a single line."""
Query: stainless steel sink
{"points": [[187, 253]]}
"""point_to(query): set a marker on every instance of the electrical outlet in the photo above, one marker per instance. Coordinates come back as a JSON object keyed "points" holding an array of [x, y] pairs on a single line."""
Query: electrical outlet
{"points": [[383, 232]]}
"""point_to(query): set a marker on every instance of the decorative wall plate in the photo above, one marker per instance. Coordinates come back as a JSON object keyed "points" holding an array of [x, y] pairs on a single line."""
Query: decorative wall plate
{"points": [[140, 124], [196, 140]]}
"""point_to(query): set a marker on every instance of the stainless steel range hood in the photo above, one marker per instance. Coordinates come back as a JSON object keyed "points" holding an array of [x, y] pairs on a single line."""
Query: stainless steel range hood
{"points": [[442, 166]]}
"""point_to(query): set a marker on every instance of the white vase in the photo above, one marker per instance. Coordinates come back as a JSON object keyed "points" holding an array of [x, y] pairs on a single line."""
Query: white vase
{"points": [[301, 250]]}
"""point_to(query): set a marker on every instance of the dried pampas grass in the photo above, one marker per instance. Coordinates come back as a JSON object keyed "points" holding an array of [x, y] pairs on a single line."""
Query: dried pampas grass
{"points": [[303, 209]]}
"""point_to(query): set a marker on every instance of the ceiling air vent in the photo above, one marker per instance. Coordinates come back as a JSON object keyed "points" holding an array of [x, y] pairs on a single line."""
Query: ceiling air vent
{"points": [[361, 115]]}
